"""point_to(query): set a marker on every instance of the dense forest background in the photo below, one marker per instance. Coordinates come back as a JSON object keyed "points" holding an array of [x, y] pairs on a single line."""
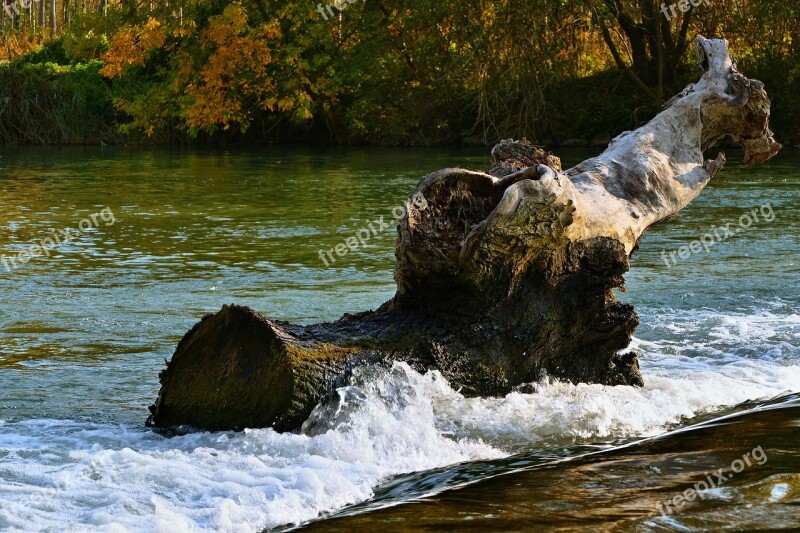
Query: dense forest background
{"points": [[392, 72]]}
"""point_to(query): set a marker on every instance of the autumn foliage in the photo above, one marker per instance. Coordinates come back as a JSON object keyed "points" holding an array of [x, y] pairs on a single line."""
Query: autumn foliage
{"points": [[131, 46], [202, 80], [413, 73]]}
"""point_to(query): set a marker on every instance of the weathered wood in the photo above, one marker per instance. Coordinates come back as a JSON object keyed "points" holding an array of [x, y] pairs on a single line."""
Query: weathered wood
{"points": [[502, 277]]}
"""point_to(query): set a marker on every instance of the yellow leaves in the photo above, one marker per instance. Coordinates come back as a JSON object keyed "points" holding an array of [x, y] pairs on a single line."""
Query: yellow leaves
{"points": [[285, 104], [152, 34], [233, 72], [216, 78], [182, 31], [115, 59], [489, 15], [16, 44], [131, 46], [303, 114]]}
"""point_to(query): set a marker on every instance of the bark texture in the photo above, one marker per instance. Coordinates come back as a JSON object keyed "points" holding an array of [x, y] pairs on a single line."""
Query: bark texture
{"points": [[502, 277]]}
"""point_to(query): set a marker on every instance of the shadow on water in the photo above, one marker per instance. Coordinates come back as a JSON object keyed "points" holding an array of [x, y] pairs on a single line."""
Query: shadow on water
{"points": [[610, 488]]}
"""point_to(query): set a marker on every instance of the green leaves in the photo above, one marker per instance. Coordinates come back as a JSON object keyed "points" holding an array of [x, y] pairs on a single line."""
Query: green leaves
{"points": [[406, 71]]}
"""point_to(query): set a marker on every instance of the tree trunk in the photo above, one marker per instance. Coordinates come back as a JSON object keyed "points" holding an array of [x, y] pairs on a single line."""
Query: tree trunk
{"points": [[656, 51], [129, 9], [502, 277], [53, 12]]}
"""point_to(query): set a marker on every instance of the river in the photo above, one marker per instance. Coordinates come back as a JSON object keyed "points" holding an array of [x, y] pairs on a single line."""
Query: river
{"points": [[160, 237]]}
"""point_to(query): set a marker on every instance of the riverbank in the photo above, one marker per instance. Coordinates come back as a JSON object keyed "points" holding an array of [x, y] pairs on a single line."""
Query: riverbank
{"points": [[48, 97]]}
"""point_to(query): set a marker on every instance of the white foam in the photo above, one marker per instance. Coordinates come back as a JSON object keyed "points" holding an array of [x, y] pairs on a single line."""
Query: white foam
{"points": [[67, 475], [58, 474]]}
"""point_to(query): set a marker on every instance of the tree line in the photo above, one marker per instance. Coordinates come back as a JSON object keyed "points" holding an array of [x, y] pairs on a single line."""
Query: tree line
{"points": [[397, 72]]}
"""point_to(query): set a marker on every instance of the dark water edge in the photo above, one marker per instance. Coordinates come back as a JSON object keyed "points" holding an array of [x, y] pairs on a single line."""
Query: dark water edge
{"points": [[615, 489]]}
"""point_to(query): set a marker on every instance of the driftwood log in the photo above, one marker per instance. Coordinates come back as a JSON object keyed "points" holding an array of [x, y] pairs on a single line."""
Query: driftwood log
{"points": [[502, 277]]}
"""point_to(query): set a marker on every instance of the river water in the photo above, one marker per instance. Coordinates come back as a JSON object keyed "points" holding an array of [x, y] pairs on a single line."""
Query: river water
{"points": [[85, 329]]}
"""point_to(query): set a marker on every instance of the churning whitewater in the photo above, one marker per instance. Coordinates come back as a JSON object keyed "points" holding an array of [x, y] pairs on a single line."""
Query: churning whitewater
{"points": [[69, 474]]}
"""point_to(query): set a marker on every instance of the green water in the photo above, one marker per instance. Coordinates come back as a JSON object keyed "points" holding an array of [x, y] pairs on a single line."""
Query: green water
{"points": [[193, 231], [85, 331]]}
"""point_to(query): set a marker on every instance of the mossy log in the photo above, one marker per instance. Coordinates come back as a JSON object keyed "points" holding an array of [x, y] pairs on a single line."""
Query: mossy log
{"points": [[502, 277]]}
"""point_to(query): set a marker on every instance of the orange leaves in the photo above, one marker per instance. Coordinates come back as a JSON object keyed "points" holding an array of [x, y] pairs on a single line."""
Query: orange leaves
{"points": [[230, 76], [131, 46], [216, 78], [16, 44]]}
